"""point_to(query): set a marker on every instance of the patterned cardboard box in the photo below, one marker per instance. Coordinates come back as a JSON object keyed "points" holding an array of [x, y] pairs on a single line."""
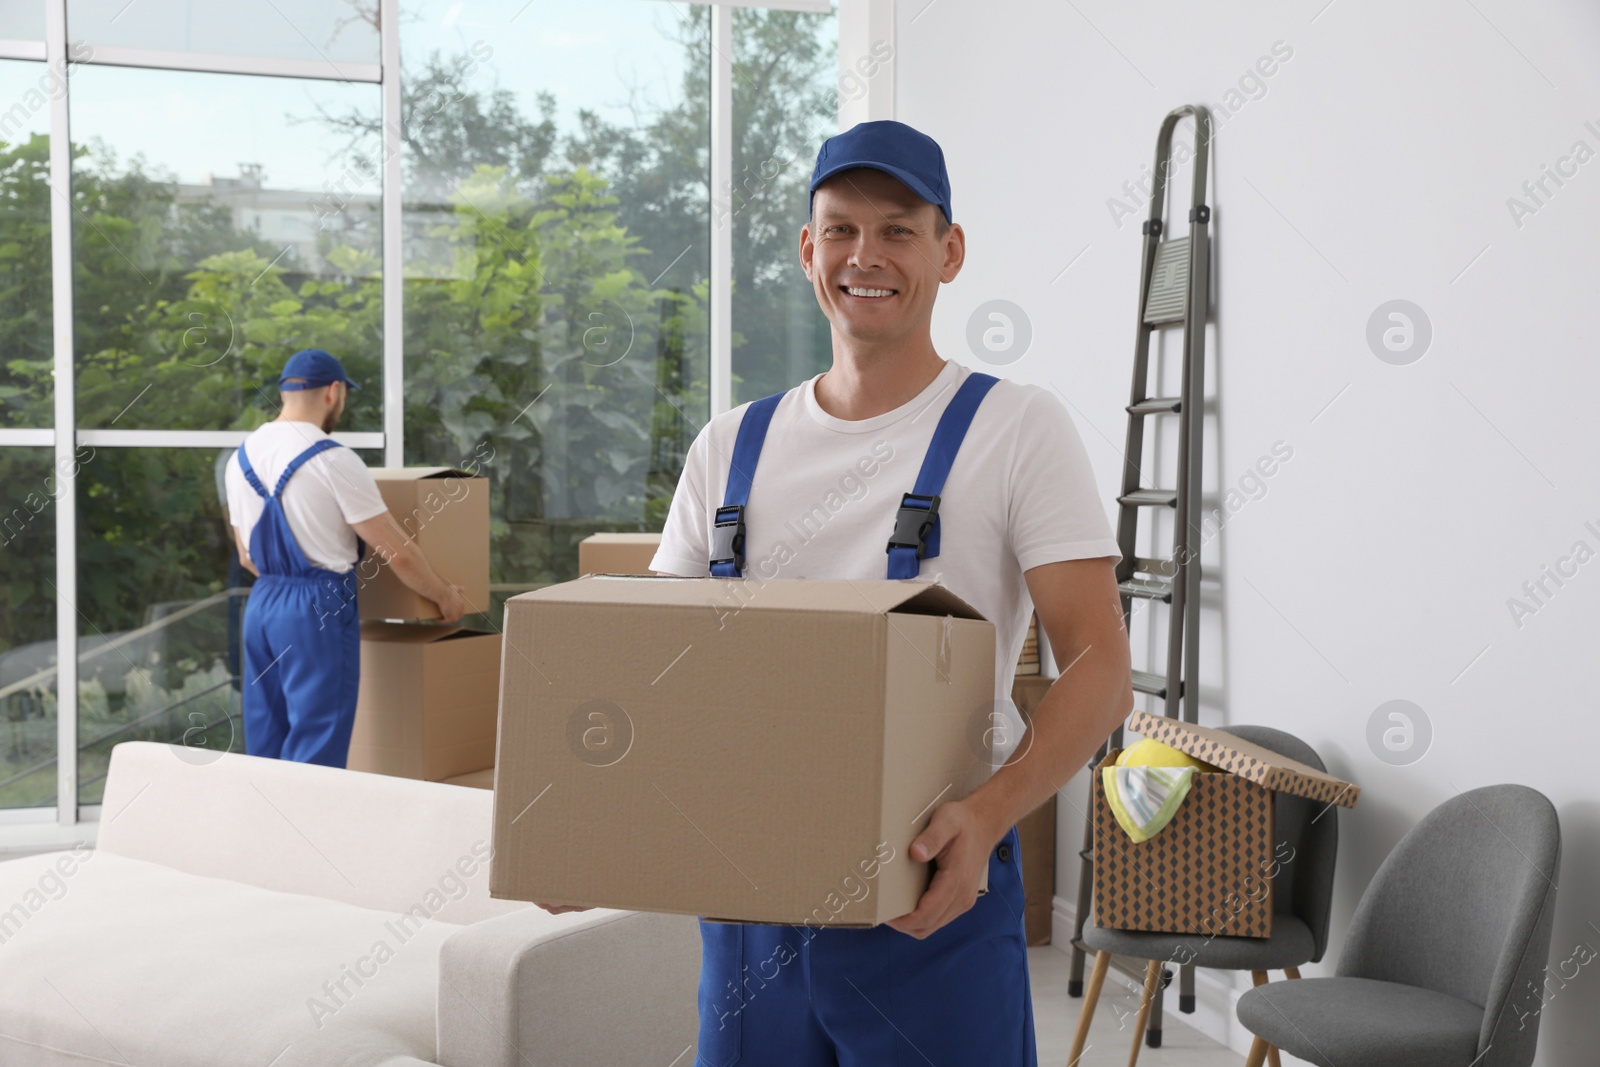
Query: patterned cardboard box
{"points": [[1210, 871], [1204, 873]]}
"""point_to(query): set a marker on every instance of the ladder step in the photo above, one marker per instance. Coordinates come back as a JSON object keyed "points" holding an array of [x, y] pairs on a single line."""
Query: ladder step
{"points": [[1164, 567], [1157, 405], [1147, 589], [1151, 498], [1168, 299], [1152, 684]]}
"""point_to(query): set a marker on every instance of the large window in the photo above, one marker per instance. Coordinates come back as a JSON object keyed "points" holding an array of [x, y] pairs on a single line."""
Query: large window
{"points": [[153, 657], [25, 341], [29, 483], [29, 486], [201, 262], [22, 22], [556, 261], [785, 104], [544, 307], [330, 31]]}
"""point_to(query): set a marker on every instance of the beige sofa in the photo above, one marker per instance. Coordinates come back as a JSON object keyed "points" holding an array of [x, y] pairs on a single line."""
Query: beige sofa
{"points": [[238, 910]]}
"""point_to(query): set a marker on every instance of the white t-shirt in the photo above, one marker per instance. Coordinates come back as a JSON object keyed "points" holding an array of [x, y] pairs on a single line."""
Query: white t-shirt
{"points": [[823, 498], [327, 494]]}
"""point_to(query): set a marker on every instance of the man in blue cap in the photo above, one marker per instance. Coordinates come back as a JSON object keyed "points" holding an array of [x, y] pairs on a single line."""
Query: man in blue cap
{"points": [[1004, 511], [303, 509]]}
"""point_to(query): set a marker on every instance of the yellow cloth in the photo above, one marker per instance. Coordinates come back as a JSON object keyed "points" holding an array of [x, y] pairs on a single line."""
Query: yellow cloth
{"points": [[1147, 784], [1152, 753], [1144, 799]]}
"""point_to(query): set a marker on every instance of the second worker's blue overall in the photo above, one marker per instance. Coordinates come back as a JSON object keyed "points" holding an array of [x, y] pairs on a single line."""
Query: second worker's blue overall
{"points": [[302, 639], [808, 996]]}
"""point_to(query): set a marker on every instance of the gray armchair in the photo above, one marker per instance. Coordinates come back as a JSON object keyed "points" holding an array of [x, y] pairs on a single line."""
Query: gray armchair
{"points": [[1442, 964]]}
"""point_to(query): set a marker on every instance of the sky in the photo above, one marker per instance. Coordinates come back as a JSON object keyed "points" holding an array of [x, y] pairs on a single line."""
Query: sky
{"points": [[587, 54]]}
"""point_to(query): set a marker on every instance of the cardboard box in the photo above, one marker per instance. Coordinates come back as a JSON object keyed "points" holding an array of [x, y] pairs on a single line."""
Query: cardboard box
{"points": [[481, 779], [1028, 658], [1210, 870], [1036, 835], [1036, 832], [447, 511], [617, 553], [428, 700], [766, 752]]}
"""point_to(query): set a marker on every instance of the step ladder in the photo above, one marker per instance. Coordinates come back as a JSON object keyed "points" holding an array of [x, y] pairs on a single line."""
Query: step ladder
{"points": [[1174, 292]]}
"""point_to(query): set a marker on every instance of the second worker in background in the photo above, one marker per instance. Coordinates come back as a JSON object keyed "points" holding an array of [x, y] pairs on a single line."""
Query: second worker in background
{"points": [[304, 510]]}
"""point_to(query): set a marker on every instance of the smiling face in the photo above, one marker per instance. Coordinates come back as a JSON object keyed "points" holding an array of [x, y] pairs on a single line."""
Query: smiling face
{"points": [[875, 256]]}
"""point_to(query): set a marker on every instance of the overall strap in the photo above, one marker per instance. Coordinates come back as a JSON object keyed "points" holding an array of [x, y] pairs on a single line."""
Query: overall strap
{"points": [[916, 524], [250, 472], [297, 462], [728, 533]]}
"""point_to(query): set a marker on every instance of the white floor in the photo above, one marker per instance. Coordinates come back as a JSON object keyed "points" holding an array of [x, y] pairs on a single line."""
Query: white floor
{"points": [[1056, 1020]]}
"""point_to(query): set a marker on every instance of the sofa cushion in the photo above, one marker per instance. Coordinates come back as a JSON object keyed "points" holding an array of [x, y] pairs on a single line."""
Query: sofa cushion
{"points": [[108, 959]]}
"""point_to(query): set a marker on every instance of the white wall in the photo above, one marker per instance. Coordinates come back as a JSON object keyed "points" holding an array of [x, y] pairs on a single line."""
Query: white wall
{"points": [[1375, 163]]}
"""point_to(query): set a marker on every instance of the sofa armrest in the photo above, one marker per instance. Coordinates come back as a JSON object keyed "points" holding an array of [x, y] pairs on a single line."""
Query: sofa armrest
{"points": [[601, 986]]}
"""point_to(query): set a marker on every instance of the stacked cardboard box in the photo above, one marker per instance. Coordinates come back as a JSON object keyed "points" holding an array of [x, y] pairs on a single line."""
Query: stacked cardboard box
{"points": [[617, 553], [428, 702], [429, 696], [483, 779], [765, 753], [1028, 661], [1036, 832], [446, 511], [1212, 869]]}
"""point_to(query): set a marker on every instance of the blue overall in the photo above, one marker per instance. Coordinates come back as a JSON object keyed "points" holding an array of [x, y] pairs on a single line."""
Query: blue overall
{"points": [[808, 996], [302, 640]]}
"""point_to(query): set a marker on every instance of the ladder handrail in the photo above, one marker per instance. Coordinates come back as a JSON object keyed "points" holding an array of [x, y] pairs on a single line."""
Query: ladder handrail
{"points": [[1183, 619]]}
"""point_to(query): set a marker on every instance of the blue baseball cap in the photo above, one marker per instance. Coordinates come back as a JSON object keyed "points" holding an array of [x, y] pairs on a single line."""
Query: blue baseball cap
{"points": [[894, 148], [316, 368]]}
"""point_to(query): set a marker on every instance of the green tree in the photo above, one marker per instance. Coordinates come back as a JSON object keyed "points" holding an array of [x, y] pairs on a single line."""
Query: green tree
{"points": [[540, 351]]}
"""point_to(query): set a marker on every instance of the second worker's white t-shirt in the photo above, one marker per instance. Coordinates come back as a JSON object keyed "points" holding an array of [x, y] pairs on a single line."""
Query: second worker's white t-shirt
{"points": [[823, 498], [330, 492]]}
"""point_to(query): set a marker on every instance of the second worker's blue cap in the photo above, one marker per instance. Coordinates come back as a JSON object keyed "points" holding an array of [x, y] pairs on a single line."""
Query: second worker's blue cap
{"points": [[894, 148], [315, 369]]}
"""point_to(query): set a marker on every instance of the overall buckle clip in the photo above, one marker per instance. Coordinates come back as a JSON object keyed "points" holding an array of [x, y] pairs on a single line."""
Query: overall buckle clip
{"points": [[913, 522], [727, 544]]}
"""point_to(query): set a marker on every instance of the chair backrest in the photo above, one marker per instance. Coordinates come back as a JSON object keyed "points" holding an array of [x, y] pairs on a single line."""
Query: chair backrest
{"points": [[1304, 883], [1464, 905]]}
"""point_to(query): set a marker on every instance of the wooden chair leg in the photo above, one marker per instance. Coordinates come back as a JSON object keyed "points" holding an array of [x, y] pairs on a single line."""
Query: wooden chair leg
{"points": [[1152, 979], [1097, 978], [1292, 972], [1258, 1052], [1260, 978]]}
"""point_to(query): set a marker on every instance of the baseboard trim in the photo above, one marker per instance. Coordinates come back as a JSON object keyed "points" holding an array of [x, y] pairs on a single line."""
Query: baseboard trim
{"points": [[1215, 993]]}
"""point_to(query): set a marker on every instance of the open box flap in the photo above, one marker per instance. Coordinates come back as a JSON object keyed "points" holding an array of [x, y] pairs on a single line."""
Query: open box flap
{"points": [[1249, 761], [865, 596]]}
